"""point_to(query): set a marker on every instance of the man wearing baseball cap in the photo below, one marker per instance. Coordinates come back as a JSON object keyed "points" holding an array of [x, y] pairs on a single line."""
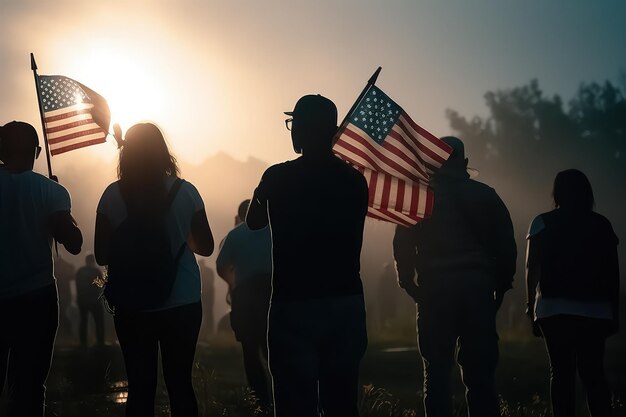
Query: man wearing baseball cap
{"points": [[315, 206], [33, 211]]}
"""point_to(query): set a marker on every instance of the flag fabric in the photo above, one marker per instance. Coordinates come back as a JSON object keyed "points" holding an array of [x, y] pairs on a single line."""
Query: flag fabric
{"points": [[74, 115], [396, 156]]}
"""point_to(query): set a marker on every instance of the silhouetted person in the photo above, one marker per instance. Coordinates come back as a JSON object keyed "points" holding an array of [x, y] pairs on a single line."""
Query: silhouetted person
{"points": [[246, 254], [33, 211], [572, 281], [64, 274], [87, 294], [208, 300], [464, 256], [315, 206], [387, 296], [147, 172]]}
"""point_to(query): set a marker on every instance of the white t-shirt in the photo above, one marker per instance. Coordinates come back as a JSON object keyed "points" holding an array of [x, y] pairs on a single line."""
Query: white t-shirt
{"points": [[27, 200], [186, 288]]}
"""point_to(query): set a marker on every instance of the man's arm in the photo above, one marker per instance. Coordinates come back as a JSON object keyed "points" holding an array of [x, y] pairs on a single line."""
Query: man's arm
{"points": [[66, 232], [257, 217]]}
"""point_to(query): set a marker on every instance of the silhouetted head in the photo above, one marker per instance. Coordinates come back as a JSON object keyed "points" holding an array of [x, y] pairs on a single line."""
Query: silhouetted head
{"points": [[90, 260], [314, 124], [145, 154], [19, 144], [572, 190], [243, 209], [457, 162], [144, 163]]}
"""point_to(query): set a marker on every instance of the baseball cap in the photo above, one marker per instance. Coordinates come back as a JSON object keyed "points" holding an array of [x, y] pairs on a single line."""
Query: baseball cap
{"points": [[315, 108], [19, 131]]}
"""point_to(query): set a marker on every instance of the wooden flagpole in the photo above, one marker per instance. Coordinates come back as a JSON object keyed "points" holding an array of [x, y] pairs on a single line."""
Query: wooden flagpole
{"points": [[33, 66], [345, 121]]}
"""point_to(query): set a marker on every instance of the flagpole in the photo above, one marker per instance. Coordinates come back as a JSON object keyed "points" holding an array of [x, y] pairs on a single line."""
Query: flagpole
{"points": [[345, 121], [33, 66]]}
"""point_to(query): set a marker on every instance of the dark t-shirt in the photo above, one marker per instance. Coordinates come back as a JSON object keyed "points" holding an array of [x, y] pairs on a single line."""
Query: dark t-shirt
{"points": [[316, 207]]}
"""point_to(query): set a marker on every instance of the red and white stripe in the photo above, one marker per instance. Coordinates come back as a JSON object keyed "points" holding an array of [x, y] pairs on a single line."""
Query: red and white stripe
{"points": [[71, 128], [398, 171], [397, 201]]}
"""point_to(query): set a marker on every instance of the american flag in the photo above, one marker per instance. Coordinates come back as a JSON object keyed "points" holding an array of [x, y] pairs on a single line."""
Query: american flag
{"points": [[396, 156], [74, 115]]}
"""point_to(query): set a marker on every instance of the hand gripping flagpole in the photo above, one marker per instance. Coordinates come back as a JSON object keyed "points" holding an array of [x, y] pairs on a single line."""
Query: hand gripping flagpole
{"points": [[33, 66], [345, 121]]}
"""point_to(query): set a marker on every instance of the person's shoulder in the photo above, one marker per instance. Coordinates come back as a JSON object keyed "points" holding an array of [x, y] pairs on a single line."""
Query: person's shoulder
{"points": [[113, 188], [480, 187], [603, 224], [536, 225], [188, 187]]}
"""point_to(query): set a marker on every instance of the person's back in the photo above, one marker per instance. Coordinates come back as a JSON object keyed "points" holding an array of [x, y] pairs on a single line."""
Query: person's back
{"points": [[317, 225], [464, 256], [576, 245], [33, 211], [572, 284]]}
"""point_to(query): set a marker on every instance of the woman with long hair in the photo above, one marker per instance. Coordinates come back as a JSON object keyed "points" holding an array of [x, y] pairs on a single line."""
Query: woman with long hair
{"points": [[149, 191], [572, 277]]}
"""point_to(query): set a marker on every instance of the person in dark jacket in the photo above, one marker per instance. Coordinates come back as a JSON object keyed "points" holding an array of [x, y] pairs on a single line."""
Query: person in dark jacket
{"points": [[572, 277], [464, 256]]}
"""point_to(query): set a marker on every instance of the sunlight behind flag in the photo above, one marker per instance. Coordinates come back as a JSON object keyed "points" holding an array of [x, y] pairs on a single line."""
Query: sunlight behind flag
{"points": [[74, 115], [396, 156]]}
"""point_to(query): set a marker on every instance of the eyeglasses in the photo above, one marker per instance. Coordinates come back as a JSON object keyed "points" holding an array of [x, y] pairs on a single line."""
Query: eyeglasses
{"points": [[288, 123]]}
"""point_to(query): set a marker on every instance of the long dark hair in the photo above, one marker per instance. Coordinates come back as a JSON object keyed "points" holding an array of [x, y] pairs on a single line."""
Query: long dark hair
{"points": [[144, 163], [572, 191]]}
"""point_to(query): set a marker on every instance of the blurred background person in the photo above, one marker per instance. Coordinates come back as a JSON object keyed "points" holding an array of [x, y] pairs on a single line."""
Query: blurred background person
{"points": [[208, 300], [245, 259], [87, 299]]}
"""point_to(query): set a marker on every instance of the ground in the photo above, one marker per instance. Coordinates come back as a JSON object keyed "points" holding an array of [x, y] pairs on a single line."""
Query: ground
{"points": [[91, 382]]}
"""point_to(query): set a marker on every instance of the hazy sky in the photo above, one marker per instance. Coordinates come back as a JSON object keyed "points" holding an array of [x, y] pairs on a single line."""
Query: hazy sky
{"points": [[216, 75]]}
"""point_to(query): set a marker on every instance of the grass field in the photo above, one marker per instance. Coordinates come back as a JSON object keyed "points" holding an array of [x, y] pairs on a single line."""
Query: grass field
{"points": [[92, 382]]}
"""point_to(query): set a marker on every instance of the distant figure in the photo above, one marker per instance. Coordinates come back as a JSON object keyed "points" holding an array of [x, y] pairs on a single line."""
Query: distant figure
{"points": [[464, 256], [87, 294], [315, 206], [64, 274], [247, 255], [208, 300], [387, 296], [33, 211], [572, 277], [150, 197]]}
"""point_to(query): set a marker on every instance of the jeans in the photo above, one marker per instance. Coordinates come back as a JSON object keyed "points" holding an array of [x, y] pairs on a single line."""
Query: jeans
{"points": [[28, 325], [458, 309], [576, 343], [175, 332], [315, 348]]}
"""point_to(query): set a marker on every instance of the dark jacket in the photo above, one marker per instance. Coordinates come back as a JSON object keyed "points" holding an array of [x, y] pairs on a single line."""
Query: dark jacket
{"points": [[470, 229]]}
